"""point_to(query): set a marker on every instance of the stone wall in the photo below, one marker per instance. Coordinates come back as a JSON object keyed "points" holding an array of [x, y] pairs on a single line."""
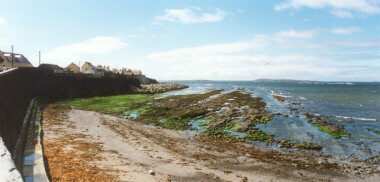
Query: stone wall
{"points": [[18, 87]]}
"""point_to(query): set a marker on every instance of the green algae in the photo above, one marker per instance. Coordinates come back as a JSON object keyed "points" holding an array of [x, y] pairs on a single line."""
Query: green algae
{"points": [[335, 134], [218, 134], [112, 104], [177, 111], [233, 127], [258, 135], [377, 132], [234, 111]]}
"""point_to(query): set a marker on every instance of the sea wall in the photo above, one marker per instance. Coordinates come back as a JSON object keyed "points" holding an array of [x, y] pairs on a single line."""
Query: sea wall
{"points": [[18, 87], [145, 80]]}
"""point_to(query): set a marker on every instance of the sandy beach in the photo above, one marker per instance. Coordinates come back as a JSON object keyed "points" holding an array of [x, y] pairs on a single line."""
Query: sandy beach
{"points": [[88, 146]]}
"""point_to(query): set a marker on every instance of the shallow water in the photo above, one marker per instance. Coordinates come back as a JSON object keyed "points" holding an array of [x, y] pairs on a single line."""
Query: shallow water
{"points": [[356, 106]]}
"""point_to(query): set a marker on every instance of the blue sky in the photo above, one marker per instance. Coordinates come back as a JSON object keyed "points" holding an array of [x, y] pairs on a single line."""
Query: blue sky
{"points": [[218, 40]]}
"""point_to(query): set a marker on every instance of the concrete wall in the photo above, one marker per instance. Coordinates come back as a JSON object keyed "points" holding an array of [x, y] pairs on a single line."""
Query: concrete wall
{"points": [[18, 87]]}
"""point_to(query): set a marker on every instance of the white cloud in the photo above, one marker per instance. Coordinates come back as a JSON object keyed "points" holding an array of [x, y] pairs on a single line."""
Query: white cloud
{"points": [[250, 67], [190, 15], [346, 31], [132, 35], [2, 21], [342, 13], [94, 46], [340, 8], [368, 45], [294, 34], [248, 60]]}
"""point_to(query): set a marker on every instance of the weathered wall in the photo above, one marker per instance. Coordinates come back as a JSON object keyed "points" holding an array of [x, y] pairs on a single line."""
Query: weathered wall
{"points": [[18, 87]]}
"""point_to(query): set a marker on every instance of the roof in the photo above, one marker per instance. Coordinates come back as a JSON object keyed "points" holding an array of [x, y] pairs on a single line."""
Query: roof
{"points": [[73, 64], [50, 66], [88, 63], [97, 70], [19, 58]]}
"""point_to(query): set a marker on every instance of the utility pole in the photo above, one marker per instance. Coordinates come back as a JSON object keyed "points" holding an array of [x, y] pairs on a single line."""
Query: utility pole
{"points": [[39, 58], [12, 56]]}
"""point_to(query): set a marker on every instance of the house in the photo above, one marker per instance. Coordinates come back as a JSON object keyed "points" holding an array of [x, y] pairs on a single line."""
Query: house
{"points": [[85, 66], [73, 68], [116, 71], [131, 72], [92, 70], [19, 60], [136, 72], [51, 68]]}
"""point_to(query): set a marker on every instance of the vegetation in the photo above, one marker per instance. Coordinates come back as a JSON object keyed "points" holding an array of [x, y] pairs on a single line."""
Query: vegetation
{"points": [[235, 111], [113, 104], [377, 132], [336, 134], [258, 135], [175, 112]]}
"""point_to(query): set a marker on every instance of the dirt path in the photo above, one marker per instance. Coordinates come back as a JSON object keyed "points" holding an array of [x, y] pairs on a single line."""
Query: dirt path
{"points": [[84, 145]]}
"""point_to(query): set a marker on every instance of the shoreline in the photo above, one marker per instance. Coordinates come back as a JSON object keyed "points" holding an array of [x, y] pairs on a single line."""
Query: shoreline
{"points": [[306, 160], [124, 150]]}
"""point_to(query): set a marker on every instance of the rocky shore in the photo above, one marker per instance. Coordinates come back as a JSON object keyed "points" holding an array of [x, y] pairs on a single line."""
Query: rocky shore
{"points": [[336, 131], [219, 117], [83, 145], [158, 88], [218, 114]]}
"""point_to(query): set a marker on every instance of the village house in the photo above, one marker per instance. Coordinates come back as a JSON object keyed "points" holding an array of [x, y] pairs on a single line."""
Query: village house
{"points": [[19, 60], [73, 68], [51, 68], [125, 71], [100, 70], [103, 67], [85, 66], [116, 71], [92, 70]]}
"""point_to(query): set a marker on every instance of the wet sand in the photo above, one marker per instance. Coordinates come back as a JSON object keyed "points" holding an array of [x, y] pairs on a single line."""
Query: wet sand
{"points": [[88, 146]]}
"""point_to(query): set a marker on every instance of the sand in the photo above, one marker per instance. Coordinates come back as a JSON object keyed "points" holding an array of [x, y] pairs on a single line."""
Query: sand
{"points": [[88, 146]]}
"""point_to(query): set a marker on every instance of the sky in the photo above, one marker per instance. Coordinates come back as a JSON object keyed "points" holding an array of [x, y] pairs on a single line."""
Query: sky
{"points": [[202, 39]]}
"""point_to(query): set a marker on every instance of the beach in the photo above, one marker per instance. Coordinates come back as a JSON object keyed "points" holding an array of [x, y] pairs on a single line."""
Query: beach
{"points": [[85, 145]]}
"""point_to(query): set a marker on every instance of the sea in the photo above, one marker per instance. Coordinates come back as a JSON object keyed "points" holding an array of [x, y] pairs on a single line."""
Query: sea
{"points": [[355, 105]]}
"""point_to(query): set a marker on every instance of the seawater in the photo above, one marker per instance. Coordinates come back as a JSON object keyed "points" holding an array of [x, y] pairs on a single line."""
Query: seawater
{"points": [[355, 105]]}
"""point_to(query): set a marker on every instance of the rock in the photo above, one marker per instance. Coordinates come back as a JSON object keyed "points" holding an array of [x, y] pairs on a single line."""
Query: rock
{"points": [[151, 172], [245, 179]]}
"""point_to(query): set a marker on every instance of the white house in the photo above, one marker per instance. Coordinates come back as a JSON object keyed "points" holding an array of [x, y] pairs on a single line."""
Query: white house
{"points": [[95, 71]]}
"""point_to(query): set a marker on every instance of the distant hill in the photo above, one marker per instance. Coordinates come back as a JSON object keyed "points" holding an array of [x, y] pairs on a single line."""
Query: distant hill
{"points": [[282, 80]]}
